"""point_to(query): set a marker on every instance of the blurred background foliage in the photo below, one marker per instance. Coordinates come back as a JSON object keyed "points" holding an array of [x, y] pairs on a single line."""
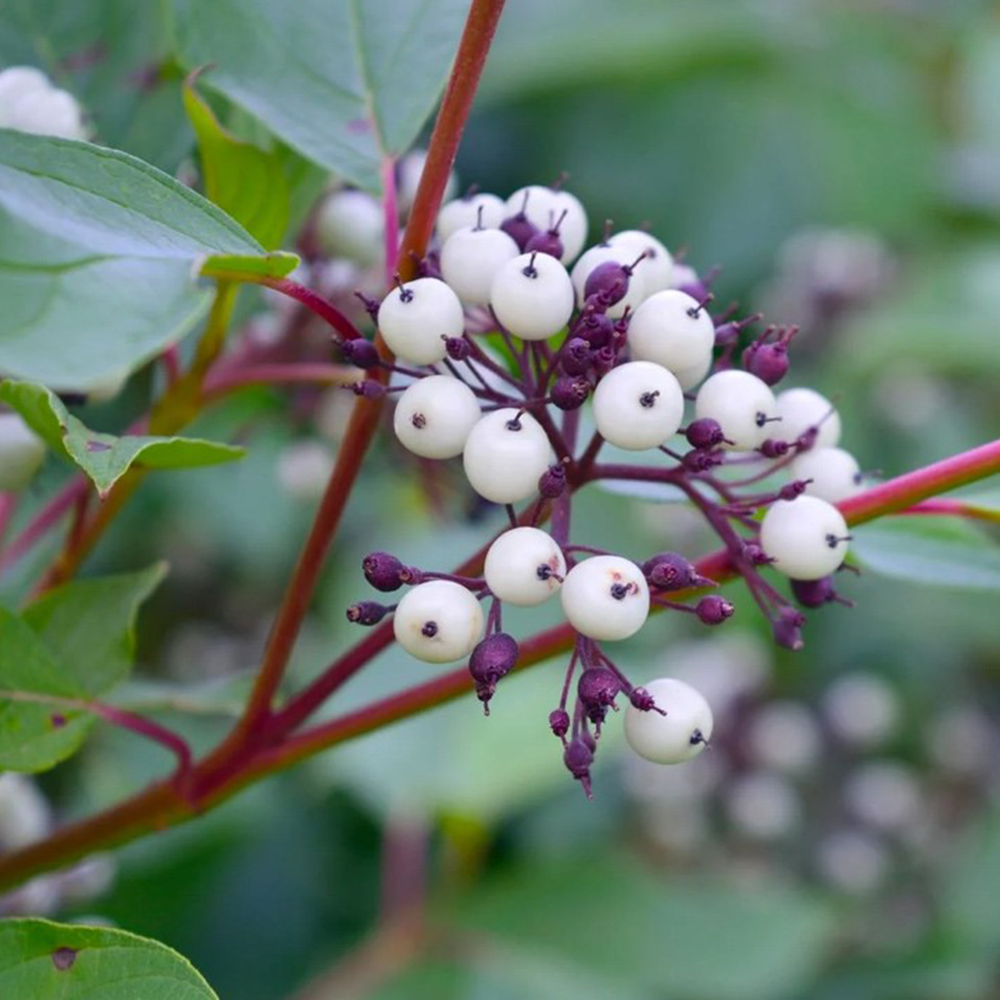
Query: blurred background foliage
{"points": [[840, 159]]}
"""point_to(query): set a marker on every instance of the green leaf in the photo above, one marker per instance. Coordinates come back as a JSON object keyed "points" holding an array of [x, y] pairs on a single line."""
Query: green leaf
{"points": [[270, 265], [239, 177], [42, 960], [669, 938], [76, 642], [346, 83], [34, 737], [89, 625], [104, 457], [96, 255], [941, 552]]}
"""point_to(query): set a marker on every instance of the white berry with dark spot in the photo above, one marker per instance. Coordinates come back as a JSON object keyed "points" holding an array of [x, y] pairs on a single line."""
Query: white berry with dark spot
{"points": [[680, 734], [524, 567], [435, 415], [606, 598], [743, 406], [833, 473], [801, 409], [806, 537], [673, 330], [505, 455], [638, 405], [480, 208], [415, 319], [472, 257], [532, 296], [438, 621]]}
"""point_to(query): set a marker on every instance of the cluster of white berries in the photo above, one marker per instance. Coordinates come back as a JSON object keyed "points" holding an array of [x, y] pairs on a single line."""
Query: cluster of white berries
{"points": [[625, 328], [30, 103]]}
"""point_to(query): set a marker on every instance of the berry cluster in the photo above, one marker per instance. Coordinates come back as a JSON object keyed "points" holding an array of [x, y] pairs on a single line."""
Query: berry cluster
{"points": [[500, 342]]}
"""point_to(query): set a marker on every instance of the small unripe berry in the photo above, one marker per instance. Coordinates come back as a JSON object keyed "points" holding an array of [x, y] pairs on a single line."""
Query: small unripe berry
{"points": [[769, 362], [545, 207], [559, 722], [705, 433], [438, 621], [570, 392], [671, 738], [492, 659], [520, 229], [657, 264], [671, 571], [606, 272], [786, 628], [814, 593], [367, 612], [576, 357], [578, 757], [552, 482], [713, 609], [597, 689], [360, 352], [458, 348], [596, 328], [385, 572]]}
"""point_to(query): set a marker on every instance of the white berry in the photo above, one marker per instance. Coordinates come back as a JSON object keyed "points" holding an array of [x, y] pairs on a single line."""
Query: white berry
{"points": [[741, 403], [638, 405], [801, 409], [438, 621], [691, 378], [677, 736], [350, 224], [416, 317], [601, 254], [463, 212], [657, 266], [835, 473], [472, 257], [671, 329], [524, 567], [21, 453], [435, 415], [806, 537], [29, 103], [606, 598], [16, 82], [544, 208], [409, 172], [506, 453], [532, 296]]}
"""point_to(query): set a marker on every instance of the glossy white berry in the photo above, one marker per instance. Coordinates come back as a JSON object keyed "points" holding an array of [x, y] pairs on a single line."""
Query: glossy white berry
{"points": [[435, 415], [17, 81], [606, 598], [601, 254], [544, 207], [801, 409], [677, 736], [671, 329], [657, 266], [29, 103], [835, 473], [691, 378], [524, 567], [483, 208], [741, 403], [806, 537], [532, 296], [416, 317], [472, 257], [350, 224], [638, 405], [438, 621], [21, 453], [505, 454], [409, 171]]}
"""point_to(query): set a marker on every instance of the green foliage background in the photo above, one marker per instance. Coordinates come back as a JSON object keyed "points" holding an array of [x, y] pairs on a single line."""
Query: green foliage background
{"points": [[730, 127]]}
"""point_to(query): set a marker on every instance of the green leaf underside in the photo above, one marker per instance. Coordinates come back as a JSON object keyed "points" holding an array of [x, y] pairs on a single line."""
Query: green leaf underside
{"points": [[941, 552], [75, 642], [239, 177], [96, 255], [346, 83], [104, 457], [42, 960]]}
